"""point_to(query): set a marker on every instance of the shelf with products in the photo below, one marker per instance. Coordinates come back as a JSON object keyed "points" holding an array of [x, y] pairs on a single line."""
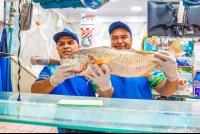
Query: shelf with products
{"points": [[185, 62]]}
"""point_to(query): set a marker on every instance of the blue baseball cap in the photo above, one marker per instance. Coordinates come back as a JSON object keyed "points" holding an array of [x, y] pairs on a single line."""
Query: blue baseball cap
{"points": [[65, 32], [117, 25]]}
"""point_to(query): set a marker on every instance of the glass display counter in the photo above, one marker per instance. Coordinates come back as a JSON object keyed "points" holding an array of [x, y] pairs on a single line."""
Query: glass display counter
{"points": [[116, 115]]}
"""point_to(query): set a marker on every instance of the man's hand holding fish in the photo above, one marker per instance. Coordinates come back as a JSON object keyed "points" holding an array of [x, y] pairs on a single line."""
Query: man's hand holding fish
{"points": [[62, 73], [101, 79], [168, 65]]}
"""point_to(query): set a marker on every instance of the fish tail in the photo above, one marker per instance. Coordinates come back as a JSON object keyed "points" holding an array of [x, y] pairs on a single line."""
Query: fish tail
{"points": [[176, 48]]}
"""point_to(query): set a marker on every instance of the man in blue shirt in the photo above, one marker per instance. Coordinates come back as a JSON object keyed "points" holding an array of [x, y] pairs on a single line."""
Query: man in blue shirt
{"points": [[57, 79], [141, 87]]}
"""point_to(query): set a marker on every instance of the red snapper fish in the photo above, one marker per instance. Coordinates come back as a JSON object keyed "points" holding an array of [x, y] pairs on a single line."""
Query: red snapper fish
{"points": [[123, 63]]}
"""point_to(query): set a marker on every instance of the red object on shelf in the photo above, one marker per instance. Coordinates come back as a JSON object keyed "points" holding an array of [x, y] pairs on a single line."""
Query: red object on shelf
{"points": [[87, 32]]}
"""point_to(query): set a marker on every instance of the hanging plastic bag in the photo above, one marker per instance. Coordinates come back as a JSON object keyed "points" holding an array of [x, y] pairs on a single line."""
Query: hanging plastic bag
{"points": [[191, 2], [94, 4], [26, 16]]}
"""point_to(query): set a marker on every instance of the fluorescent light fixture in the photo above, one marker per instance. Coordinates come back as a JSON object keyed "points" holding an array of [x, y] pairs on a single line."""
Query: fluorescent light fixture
{"points": [[113, 0], [92, 10], [136, 8]]}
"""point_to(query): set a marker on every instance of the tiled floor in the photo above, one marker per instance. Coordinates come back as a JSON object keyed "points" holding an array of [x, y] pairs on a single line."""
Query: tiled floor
{"points": [[24, 128]]}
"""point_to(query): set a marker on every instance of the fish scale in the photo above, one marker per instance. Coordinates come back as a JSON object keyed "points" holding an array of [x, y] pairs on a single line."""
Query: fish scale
{"points": [[125, 64]]}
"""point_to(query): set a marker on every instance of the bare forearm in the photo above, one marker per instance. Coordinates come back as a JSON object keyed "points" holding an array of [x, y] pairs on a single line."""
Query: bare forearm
{"points": [[107, 94], [53, 62], [43, 87], [167, 88]]}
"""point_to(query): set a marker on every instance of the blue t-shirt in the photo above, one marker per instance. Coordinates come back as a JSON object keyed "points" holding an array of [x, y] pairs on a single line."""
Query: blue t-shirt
{"points": [[134, 87], [131, 88], [77, 86]]}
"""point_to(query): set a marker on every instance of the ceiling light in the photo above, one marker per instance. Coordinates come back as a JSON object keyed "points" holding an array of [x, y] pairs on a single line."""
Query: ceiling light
{"points": [[92, 10], [113, 0], [136, 8]]}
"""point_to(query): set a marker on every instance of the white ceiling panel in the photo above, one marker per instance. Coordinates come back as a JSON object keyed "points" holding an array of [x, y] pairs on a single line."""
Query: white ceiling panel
{"points": [[118, 7]]}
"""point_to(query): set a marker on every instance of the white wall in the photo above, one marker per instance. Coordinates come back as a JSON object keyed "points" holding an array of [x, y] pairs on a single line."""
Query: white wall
{"points": [[100, 35], [1, 15], [28, 76], [62, 14], [1, 10], [38, 40], [1, 27]]}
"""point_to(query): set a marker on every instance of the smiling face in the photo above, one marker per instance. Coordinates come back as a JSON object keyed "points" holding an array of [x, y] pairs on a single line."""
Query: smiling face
{"points": [[121, 39], [67, 45]]}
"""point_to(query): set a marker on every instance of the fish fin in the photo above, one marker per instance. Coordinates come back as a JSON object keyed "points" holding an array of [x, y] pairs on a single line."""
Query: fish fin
{"points": [[104, 60], [148, 73], [137, 51], [176, 48]]}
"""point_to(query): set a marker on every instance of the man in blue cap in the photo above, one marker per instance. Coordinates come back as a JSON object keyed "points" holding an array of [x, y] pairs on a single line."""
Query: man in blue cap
{"points": [[141, 87], [121, 35], [57, 79]]}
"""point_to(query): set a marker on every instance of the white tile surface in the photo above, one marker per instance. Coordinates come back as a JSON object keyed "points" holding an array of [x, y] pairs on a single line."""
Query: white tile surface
{"points": [[74, 18], [1, 9], [135, 18], [117, 18], [1, 27]]}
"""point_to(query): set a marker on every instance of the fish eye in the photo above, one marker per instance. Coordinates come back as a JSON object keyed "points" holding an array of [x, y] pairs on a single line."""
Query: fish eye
{"points": [[70, 56]]}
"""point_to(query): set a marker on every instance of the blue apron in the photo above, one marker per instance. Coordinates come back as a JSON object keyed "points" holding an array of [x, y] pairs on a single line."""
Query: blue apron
{"points": [[4, 65], [76, 86], [131, 88]]}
